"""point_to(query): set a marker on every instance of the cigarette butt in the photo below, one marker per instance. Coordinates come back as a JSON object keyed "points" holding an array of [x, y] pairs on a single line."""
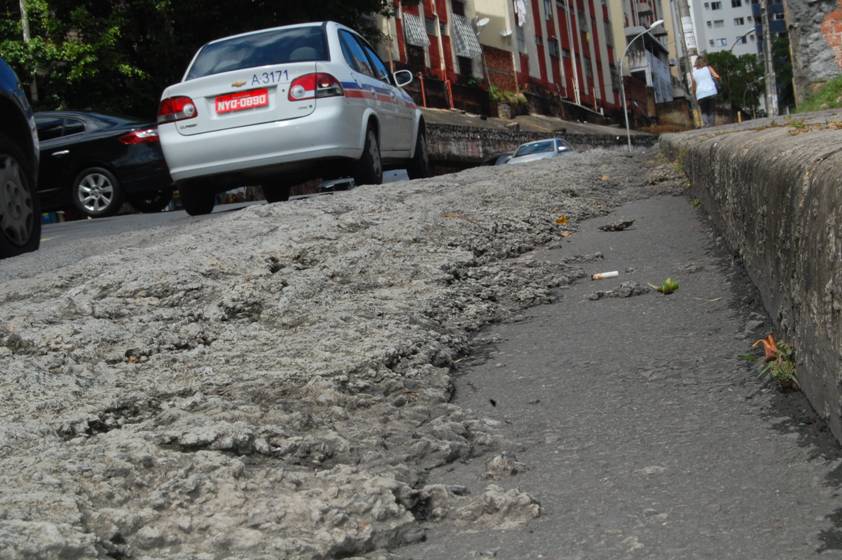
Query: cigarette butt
{"points": [[604, 275]]}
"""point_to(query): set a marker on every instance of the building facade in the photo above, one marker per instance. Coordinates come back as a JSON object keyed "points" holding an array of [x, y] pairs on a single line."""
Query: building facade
{"points": [[554, 48], [725, 25]]}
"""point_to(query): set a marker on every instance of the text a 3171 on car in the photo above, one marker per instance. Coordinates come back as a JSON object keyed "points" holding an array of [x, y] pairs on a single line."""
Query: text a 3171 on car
{"points": [[280, 106]]}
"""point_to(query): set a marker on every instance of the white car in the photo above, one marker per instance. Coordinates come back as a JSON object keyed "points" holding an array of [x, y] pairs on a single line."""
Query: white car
{"points": [[279, 106], [540, 149]]}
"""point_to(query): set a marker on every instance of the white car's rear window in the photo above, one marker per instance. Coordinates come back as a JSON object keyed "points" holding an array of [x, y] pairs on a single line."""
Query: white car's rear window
{"points": [[535, 148], [279, 46]]}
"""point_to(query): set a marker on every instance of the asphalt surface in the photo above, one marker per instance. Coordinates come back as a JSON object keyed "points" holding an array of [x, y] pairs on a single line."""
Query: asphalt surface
{"points": [[641, 430], [68, 242]]}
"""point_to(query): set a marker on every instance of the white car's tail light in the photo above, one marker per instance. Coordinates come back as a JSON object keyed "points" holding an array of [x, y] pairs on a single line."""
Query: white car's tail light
{"points": [[312, 86], [144, 136], [176, 109]]}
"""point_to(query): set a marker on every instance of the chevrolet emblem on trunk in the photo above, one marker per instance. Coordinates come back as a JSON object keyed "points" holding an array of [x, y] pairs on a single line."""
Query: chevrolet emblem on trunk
{"points": [[238, 84]]}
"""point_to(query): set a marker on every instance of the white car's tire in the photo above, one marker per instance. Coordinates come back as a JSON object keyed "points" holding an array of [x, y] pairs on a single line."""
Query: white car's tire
{"points": [[196, 198], [419, 165], [369, 168]]}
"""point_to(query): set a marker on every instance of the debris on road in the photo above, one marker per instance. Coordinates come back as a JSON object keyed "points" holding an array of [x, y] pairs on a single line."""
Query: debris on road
{"points": [[605, 275], [625, 290], [617, 226], [287, 392], [667, 287], [504, 465], [562, 220]]}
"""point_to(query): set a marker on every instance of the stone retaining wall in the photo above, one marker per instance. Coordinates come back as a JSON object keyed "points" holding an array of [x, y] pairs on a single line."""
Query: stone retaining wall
{"points": [[773, 188]]}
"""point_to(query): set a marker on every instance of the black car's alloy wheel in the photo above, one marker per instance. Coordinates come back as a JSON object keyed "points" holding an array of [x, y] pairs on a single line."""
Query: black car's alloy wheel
{"points": [[96, 192], [20, 226]]}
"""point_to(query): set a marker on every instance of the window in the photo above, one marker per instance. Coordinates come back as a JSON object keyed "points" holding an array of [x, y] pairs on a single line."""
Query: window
{"points": [[48, 128], [711, 42], [73, 126], [354, 55], [415, 57], [716, 5], [719, 23], [430, 25], [548, 9], [553, 45], [743, 40], [466, 66], [458, 7], [739, 21], [710, 23], [779, 16], [723, 42], [707, 5], [280, 46], [736, 3], [380, 70]]}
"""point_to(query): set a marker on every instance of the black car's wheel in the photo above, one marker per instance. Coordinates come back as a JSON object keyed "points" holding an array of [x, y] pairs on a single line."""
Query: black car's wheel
{"points": [[151, 202], [97, 192], [419, 165], [369, 168], [20, 223], [197, 198], [276, 192]]}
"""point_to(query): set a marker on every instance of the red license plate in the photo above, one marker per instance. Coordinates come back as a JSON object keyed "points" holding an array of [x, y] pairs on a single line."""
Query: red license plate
{"points": [[242, 101]]}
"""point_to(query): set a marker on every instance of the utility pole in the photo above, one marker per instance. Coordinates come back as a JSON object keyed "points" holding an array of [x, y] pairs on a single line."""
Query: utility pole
{"points": [[771, 80], [688, 41], [24, 23]]}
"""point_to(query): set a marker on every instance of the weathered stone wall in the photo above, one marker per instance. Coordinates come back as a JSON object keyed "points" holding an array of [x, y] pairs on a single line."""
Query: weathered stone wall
{"points": [[815, 33], [473, 145], [773, 189]]}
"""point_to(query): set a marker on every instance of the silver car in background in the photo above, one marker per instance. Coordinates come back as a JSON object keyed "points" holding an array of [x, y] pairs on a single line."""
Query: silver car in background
{"points": [[279, 106], [540, 149]]}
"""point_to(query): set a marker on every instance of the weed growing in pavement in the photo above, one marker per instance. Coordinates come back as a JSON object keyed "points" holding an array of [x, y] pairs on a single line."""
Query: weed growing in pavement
{"points": [[779, 363], [696, 202]]}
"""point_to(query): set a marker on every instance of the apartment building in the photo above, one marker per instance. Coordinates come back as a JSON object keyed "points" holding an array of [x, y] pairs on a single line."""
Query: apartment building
{"points": [[652, 59], [560, 48], [725, 25]]}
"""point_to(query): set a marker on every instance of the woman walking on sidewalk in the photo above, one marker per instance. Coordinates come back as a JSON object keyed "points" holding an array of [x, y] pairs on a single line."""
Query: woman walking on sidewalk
{"points": [[705, 88]]}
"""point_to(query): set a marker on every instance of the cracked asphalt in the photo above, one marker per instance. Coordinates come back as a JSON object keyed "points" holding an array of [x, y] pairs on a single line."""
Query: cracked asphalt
{"points": [[414, 370]]}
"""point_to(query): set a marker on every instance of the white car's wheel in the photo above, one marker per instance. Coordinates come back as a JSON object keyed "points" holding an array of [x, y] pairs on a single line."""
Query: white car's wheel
{"points": [[369, 168], [419, 165]]}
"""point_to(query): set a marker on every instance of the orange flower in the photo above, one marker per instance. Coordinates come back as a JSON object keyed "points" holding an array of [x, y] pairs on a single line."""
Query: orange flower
{"points": [[770, 347]]}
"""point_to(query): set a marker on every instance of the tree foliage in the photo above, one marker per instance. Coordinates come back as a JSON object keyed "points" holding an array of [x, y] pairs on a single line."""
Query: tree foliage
{"points": [[741, 82], [118, 56]]}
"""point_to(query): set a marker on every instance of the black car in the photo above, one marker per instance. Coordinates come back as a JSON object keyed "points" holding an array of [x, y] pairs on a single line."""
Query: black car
{"points": [[20, 219], [95, 162]]}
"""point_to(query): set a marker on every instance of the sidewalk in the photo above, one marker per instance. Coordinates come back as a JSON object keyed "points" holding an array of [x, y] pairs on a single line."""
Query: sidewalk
{"points": [[642, 433]]}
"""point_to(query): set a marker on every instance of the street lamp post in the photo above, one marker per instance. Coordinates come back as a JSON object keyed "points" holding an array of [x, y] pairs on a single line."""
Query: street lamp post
{"points": [[622, 81], [480, 23], [738, 39]]}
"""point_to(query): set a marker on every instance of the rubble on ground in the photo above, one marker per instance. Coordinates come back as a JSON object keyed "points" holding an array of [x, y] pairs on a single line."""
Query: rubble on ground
{"points": [[275, 382]]}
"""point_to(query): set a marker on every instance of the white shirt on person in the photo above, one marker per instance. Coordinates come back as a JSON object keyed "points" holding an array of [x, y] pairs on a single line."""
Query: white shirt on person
{"points": [[705, 84]]}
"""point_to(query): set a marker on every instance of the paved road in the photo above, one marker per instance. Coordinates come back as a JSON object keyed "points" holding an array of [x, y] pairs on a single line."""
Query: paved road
{"points": [[69, 242], [643, 434]]}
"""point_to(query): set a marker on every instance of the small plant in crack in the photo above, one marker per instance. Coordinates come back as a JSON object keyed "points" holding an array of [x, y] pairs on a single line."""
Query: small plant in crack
{"points": [[779, 362]]}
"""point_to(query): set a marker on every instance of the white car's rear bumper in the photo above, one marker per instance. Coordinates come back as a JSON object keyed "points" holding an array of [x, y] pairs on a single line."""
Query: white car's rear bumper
{"points": [[329, 132]]}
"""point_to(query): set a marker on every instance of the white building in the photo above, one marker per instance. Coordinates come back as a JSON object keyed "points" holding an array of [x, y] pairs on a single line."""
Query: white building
{"points": [[723, 25]]}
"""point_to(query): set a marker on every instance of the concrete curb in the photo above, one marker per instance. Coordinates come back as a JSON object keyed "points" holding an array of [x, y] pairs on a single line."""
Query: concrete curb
{"points": [[773, 189]]}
